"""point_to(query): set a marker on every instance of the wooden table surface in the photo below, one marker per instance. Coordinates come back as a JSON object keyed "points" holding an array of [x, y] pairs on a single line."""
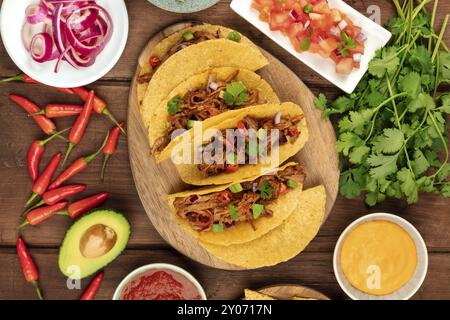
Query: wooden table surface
{"points": [[312, 268]]}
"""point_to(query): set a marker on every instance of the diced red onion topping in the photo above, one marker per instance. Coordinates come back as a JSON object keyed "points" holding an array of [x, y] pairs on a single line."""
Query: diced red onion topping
{"points": [[335, 31], [75, 31], [193, 198], [361, 37], [294, 15], [342, 24]]}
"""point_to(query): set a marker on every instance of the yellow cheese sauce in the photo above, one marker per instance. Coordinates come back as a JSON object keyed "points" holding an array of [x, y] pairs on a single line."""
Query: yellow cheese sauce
{"points": [[378, 257]]}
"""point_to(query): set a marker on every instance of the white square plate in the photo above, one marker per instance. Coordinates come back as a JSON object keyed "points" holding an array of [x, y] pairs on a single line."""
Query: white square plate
{"points": [[377, 37]]}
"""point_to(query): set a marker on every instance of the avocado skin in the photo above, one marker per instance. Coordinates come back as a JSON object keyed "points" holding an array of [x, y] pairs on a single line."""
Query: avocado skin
{"points": [[118, 248]]}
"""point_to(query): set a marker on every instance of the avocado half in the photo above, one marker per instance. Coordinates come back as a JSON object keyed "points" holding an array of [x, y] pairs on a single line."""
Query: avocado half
{"points": [[92, 242]]}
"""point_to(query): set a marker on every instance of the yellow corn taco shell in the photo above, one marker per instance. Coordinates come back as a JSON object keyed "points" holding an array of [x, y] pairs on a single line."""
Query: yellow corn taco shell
{"points": [[242, 232], [251, 80], [282, 243], [255, 295], [190, 174], [193, 60], [164, 46]]}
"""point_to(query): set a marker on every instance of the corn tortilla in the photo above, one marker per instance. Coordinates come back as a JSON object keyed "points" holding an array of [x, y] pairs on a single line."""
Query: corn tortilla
{"points": [[193, 60], [163, 47], [251, 80], [255, 295], [243, 231], [282, 243], [190, 174]]}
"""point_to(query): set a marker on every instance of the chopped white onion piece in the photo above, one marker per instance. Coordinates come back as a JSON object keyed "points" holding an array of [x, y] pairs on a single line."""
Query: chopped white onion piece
{"points": [[277, 118], [213, 85], [307, 23], [357, 57], [342, 25]]}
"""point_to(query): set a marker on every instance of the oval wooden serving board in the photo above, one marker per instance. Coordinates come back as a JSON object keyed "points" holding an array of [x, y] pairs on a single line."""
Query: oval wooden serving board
{"points": [[154, 182], [288, 292]]}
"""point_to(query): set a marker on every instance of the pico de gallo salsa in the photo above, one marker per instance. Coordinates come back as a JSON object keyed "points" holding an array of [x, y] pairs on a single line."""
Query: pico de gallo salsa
{"points": [[313, 26]]}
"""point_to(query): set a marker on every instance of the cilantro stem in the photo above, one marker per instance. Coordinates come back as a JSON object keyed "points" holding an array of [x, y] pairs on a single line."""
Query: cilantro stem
{"points": [[444, 143], [443, 44], [433, 17], [439, 40], [402, 94], [399, 9]]}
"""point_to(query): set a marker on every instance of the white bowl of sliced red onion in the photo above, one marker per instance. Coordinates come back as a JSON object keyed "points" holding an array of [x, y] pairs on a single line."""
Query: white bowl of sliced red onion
{"points": [[64, 43]]}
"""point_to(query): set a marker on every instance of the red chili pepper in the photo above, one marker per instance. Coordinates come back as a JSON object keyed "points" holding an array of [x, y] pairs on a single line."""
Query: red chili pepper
{"points": [[80, 207], [111, 146], [60, 110], [91, 290], [80, 125], [28, 267], [100, 106], [47, 125], [36, 216], [42, 182], [22, 77], [54, 196], [76, 167], [35, 153]]}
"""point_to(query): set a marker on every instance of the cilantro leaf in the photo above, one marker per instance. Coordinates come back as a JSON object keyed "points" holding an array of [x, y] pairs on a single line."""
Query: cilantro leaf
{"points": [[408, 185], [352, 182], [419, 164], [236, 94], [173, 106], [390, 141], [396, 25], [411, 84], [382, 165], [420, 59], [265, 190], [444, 67], [375, 98], [321, 102], [445, 191], [423, 100], [386, 63]]}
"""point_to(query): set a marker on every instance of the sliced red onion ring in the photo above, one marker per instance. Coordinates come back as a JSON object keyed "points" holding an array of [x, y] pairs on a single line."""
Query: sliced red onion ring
{"points": [[294, 15], [361, 37], [35, 13], [41, 47], [29, 30], [73, 22]]}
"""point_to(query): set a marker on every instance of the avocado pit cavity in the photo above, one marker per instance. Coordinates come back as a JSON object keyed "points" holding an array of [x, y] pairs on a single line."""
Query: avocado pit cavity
{"points": [[97, 241]]}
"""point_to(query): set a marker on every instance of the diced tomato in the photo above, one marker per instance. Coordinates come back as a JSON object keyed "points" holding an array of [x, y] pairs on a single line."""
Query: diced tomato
{"points": [[314, 47], [318, 35], [356, 65], [328, 45], [226, 196], [231, 168], [154, 61], [283, 188], [204, 219], [321, 7], [295, 29], [293, 132], [359, 49], [242, 129], [345, 66], [280, 20]]}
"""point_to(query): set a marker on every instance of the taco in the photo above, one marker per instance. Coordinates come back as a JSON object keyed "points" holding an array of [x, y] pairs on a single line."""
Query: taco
{"points": [[192, 34], [242, 211], [258, 139], [282, 243], [206, 96], [255, 295], [193, 60]]}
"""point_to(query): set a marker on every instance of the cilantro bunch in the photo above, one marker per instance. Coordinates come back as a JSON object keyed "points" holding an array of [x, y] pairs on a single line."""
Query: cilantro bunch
{"points": [[392, 131]]}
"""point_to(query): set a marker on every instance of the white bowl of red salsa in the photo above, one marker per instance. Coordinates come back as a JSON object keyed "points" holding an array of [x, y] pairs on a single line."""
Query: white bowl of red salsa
{"points": [[159, 281]]}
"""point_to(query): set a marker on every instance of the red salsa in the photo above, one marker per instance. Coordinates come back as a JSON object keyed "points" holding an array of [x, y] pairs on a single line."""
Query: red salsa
{"points": [[160, 285], [313, 26]]}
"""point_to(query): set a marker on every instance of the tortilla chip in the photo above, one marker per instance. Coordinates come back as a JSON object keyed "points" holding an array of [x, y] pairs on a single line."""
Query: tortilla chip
{"points": [[243, 231], [300, 298], [282, 243], [255, 295], [251, 80], [193, 60], [190, 174], [163, 47]]}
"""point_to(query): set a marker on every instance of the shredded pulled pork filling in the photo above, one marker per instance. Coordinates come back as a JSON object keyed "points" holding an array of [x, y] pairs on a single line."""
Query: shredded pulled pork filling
{"points": [[287, 130], [226, 208], [199, 36], [201, 104]]}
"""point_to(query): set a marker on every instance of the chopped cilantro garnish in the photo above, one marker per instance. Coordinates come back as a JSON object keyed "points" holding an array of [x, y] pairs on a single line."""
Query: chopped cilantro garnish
{"points": [[233, 212], [305, 43], [236, 94], [174, 105], [265, 190], [308, 9], [292, 184]]}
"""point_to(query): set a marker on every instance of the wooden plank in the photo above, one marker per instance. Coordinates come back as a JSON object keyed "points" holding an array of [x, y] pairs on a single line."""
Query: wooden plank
{"points": [[146, 20], [313, 270]]}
